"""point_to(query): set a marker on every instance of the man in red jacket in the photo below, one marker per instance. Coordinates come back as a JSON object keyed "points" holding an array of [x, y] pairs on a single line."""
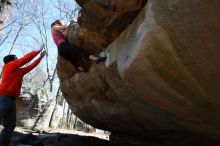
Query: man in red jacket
{"points": [[10, 88]]}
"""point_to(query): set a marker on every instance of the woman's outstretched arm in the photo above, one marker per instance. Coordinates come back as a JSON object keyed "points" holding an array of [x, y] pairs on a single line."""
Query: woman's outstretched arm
{"points": [[60, 28]]}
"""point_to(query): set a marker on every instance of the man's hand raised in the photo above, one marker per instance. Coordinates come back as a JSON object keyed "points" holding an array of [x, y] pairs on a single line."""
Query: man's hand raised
{"points": [[42, 47], [42, 54]]}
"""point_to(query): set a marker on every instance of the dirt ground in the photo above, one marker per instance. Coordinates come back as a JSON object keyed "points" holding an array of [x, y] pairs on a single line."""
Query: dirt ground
{"points": [[58, 137], [100, 135]]}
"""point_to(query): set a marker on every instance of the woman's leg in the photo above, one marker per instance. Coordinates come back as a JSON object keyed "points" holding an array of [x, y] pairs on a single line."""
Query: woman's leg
{"points": [[69, 52], [78, 56], [93, 58], [97, 59]]}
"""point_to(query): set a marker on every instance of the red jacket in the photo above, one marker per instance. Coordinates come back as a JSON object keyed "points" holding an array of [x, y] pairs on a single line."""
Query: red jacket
{"points": [[12, 74]]}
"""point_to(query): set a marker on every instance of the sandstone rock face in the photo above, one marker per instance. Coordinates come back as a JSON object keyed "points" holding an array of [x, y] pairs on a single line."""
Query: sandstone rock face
{"points": [[161, 80], [101, 21]]}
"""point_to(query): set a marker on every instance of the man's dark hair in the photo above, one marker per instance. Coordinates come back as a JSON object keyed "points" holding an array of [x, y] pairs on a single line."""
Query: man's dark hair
{"points": [[9, 58], [56, 22]]}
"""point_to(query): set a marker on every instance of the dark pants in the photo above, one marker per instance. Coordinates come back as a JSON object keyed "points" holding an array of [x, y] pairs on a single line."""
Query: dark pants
{"points": [[77, 56], [8, 116]]}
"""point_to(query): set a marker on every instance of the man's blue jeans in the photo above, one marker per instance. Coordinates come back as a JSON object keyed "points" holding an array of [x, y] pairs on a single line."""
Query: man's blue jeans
{"points": [[8, 116]]}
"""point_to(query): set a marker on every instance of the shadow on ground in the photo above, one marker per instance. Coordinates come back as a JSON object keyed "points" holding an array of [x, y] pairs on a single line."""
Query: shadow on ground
{"points": [[57, 139]]}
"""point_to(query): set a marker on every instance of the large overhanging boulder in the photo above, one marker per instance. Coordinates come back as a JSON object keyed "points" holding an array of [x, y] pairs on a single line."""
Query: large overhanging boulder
{"points": [[101, 22], [161, 80]]}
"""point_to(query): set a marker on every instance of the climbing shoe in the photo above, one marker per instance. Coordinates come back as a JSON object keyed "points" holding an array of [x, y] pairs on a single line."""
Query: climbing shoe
{"points": [[100, 59]]}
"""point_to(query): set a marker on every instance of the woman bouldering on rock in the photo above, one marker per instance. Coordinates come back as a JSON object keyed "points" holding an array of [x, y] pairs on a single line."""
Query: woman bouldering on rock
{"points": [[71, 52]]}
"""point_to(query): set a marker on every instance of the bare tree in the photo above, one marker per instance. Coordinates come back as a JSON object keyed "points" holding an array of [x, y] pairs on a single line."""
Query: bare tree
{"points": [[31, 19], [21, 27], [2, 40], [33, 14], [66, 10]]}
